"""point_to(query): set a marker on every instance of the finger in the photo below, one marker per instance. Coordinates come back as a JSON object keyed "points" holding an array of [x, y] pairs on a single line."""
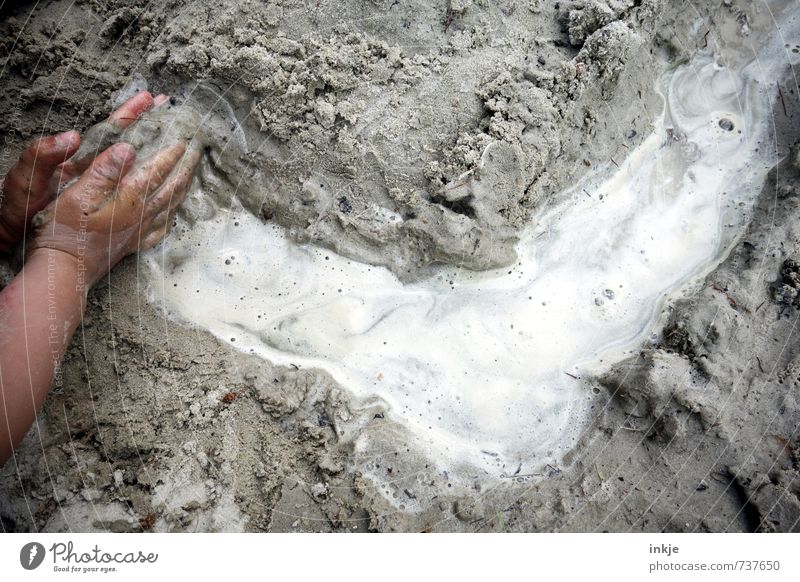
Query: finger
{"points": [[97, 184], [32, 173], [137, 186], [161, 220], [159, 227], [130, 111], [103, 176], [160, 99], [63, 174], [154, 238], [173, 191], [124, 116]]}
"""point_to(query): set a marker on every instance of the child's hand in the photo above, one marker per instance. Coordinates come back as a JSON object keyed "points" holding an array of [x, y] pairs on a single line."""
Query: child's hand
{"points": [[41, 170], [114, 208], [113, 211]]}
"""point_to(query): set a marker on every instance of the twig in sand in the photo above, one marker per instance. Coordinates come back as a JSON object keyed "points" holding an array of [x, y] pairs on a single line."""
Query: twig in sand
{"points": [[522, 475], [518, 475], [599, 474], [140, 118], [783, 103], [448, 20], [730, 299], [786, 446]]}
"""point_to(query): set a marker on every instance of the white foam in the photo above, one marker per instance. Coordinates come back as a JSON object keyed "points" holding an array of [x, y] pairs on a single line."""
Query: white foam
{"points": [[478, 362]]}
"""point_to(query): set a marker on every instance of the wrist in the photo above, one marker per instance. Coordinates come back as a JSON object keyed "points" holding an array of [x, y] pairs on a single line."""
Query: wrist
{"points": [[69, 269]]}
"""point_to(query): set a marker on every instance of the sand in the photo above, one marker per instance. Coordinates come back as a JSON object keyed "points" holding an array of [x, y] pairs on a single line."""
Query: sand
{"points": [[405, 135]]}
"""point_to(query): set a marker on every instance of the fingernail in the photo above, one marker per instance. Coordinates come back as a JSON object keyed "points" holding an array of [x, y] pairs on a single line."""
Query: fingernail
{"points": [[121, 153], [67, 138], [180, 144]]}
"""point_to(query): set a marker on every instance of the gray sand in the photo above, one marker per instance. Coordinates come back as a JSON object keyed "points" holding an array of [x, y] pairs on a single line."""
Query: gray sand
{"points": [[464, 118]]}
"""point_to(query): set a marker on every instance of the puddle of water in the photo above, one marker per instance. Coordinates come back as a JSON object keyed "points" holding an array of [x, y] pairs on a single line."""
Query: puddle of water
{"points": [[492, 362]]}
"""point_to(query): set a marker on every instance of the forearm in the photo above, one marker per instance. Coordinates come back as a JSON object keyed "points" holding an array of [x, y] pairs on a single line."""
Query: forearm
{"points": [[39, 311]]}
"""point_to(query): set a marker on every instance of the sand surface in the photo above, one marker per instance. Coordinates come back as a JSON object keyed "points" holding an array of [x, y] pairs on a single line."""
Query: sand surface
{"points": [[427, 141]]}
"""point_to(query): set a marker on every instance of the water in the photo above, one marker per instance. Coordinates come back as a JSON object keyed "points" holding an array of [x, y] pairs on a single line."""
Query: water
{"points": [[496, 362]]}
